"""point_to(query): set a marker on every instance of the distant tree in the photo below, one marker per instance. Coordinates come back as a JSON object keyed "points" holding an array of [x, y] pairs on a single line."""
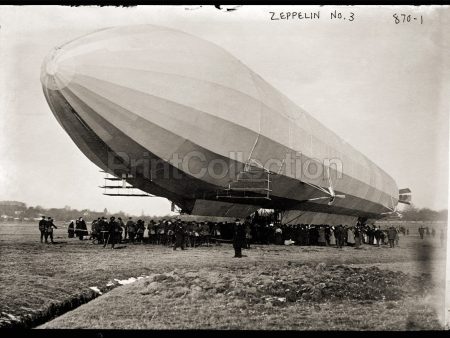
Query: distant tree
{"points": [[411, 213]]}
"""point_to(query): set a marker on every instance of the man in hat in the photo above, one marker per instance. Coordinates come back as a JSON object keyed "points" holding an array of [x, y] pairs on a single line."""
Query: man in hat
{"points": [[191, 234], [206, 236], [103, 228], [95, 233], [179, 231], [238, 238], [339, 236], [42, 227], [161, 229], [120, 229], [131, 229], [151, 227], [140, 229], [49, 229], [391, 236], [111, 232], [80, 228], [71, 229]]}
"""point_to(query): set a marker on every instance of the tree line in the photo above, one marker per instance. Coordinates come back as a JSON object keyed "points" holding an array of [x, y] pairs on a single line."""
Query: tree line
{"points": [[21, 211]]}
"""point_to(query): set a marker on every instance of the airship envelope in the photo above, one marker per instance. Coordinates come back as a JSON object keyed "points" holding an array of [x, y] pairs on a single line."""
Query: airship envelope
{"points": [[219, 139]]}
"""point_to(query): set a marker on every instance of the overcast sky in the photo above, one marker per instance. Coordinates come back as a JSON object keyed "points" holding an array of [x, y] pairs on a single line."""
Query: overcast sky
{"points": [[381, 86]]}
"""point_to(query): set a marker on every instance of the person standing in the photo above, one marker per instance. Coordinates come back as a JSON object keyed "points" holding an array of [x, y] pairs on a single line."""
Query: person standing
{"points": [[179, 231], [350, 237], [278, 235], [121, 227], [391, 236], [49, 229], [382, 237], [205, 233], [80, 228], [377, 235], [322, 240], [131, 230], [340, 235], [71, 229], [161, 228], [130, 219], [94, 230], [332, 237], [42, 228], [421, 232], [370, 234], [327, 234], [238, 238], [140, 225], [442, 237], [104, 229], [111, 232], [357, 236]]}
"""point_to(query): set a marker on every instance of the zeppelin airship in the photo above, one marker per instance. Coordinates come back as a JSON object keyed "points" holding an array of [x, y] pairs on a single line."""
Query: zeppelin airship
{"points": [[179, 117]]}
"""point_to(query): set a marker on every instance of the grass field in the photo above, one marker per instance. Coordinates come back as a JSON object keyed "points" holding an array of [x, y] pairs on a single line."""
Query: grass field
{"points": [[274, 287]]}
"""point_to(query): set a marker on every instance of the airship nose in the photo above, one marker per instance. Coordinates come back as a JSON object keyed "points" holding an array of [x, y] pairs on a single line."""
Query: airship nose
{"points": [[56, 71]]}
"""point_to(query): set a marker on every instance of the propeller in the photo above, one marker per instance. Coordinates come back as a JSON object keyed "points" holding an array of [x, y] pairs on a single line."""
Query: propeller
{"points": [[392, 212], [330, 191]]}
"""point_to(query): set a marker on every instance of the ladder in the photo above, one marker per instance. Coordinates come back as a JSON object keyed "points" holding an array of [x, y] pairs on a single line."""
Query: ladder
{"points": [[251, 183]]}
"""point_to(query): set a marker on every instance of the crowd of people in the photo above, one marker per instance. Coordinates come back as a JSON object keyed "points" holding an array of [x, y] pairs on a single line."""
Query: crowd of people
{"points": [[181, 234], [174, 233], [194, 233]]}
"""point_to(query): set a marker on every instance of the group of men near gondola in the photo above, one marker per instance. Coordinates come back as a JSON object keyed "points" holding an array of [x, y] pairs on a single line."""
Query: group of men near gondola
{"points": [[46, 229], [326, 235], [174, 233]]}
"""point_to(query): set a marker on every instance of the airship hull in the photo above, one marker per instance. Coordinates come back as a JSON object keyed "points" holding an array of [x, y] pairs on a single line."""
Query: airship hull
{"points": [[145, 93]]}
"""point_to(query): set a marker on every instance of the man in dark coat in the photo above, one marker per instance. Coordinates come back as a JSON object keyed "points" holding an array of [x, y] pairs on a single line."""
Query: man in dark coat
{"points": [[131, 229], [120, 229], [179, 235], [340, 236], [140, 229], [42, 227], [95, 233], [49, 229], [71, 229], [112, 231], [103, 229], [238, 238], [81, 228], [392, 233]]}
